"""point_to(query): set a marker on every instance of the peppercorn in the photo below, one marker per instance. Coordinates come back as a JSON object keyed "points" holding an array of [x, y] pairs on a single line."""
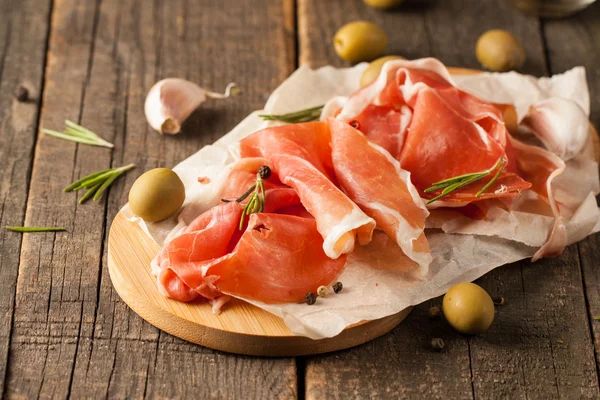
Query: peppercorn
{"points": [[310, 298], [498, 300], [437, 344], [21, 93], [434, 312], [337, 287], [322, 291], [264, 172], [355, 124]]}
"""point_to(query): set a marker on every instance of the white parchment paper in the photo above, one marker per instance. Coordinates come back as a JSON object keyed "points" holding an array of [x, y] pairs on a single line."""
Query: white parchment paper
{"points": [[378, 279]]}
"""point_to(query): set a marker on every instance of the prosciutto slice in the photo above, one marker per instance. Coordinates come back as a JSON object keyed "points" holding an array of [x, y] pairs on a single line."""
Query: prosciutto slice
{"points": [[373, 179], [436, 131], [180, 262], [277, 258], [301, 157], [541, 167]]}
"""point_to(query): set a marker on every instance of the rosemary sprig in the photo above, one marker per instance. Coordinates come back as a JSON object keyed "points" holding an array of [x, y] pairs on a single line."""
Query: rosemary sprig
{"points": [[26, 229], [256, 192], [79, 134], [98, 182], [452, 184], [306, 115]]}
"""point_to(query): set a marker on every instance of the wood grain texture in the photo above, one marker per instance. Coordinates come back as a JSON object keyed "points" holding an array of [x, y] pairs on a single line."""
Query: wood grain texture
{"points": [[72, 335], [520, 357], [23, 30], [569, 42]]}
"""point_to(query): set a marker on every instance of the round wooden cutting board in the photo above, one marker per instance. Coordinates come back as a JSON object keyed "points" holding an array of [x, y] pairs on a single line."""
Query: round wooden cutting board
{"points": [[241, 328]]}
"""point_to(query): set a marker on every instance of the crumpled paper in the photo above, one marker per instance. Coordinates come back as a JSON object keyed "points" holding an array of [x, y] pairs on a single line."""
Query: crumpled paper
{"points": [[379, 280]]}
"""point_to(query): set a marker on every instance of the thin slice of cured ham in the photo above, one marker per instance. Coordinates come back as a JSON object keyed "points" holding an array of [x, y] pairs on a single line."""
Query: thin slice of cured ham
{"points": [[373, 179], [442, 144], [278, 259], [415, 112], [541, 167], [301, 157], [180, 261]]}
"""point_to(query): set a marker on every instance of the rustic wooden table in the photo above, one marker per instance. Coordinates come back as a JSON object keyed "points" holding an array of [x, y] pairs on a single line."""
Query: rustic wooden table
{"points": [[66, 333]]}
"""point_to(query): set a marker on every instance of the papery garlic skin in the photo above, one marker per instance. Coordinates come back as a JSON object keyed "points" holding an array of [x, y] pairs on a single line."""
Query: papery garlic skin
{"points": [[562, 125], [170, 102]]}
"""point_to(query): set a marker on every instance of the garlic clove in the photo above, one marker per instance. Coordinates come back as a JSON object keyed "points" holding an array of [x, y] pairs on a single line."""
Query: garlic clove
{"points": [[560, 124], [170, 102]]}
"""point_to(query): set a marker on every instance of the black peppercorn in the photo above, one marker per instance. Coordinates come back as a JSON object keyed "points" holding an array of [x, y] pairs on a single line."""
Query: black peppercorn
{"points": [[21, 93], [434, 312], [437, 344], [310, 298], [498, 300], [264, 172], [337, 287], [355, 124]]}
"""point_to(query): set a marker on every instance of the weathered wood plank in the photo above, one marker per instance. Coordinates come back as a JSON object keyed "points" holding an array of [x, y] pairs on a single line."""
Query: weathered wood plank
{"points": [[73, 336], [55, 290], [540, 345], [23, 31], [571, 42], [400, 364], [318, 22], [520, 356]]}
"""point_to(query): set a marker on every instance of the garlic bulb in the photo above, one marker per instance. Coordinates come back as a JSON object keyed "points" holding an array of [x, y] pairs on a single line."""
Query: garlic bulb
{"points": [[171, 101], [560, 124]]}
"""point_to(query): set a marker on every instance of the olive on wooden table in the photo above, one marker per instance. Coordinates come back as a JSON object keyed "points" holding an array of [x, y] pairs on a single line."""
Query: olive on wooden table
{"points": [[372, 72], [383, 4], [157, 194], [359, 41], [499, 51], [468, 308]]}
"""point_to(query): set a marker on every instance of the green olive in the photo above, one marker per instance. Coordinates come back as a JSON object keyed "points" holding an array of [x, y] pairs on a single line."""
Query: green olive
{"points": [[498, 50], [156, 195], [383, 4], [359, 41], [372, 72], [468, 308]]}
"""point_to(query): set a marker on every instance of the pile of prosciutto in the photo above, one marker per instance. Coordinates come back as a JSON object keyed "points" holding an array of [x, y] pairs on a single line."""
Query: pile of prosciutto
{"points": [[365, 171]]}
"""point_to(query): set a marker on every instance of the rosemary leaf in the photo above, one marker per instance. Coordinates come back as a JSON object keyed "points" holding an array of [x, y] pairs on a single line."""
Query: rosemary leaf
{"points": [[245, 195], [79, 134], [98, 182], [100, 178], [106, 184], [449, 181], [26, 229], [71, 138], [306, 115], [494, 179], [81, 182], [256, 203], [464, 183], [79, 130], [452, 184], [241, 226], [90, 192]]}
